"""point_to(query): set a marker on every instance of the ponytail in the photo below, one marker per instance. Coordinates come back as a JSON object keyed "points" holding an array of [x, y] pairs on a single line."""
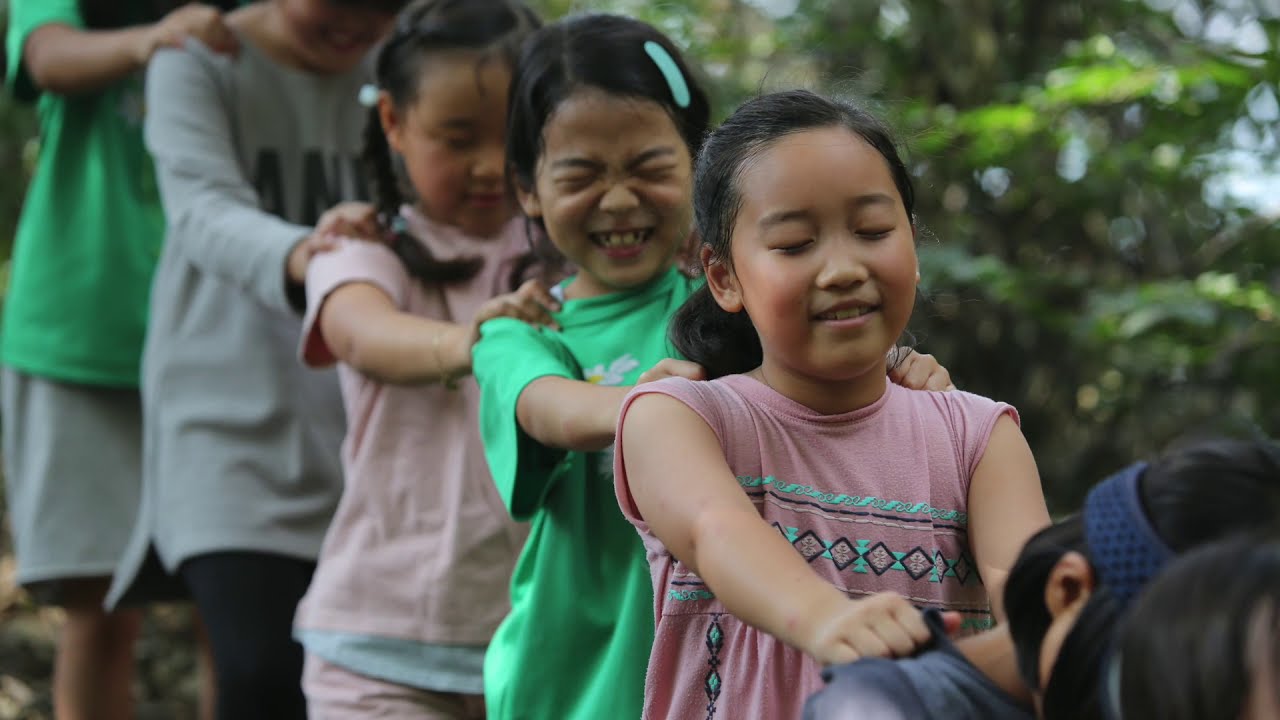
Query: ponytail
{"points": [[723, 343], [387, 199]]}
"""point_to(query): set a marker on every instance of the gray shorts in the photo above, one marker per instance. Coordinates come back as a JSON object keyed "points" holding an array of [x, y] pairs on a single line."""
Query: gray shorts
{"points": [[73, 475]]}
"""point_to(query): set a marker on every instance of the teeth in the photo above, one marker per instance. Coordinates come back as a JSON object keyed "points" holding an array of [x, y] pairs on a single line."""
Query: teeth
{"points": [[847, 313], [615, 240]]}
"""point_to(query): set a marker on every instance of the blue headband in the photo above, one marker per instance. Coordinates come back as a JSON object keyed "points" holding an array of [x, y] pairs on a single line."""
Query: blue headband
{"points": [[670, 71], [1125, 549]]}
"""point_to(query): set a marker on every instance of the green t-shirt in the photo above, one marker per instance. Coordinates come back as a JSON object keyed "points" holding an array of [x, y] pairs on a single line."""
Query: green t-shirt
{"points": [[91, 227], [577, 641]]}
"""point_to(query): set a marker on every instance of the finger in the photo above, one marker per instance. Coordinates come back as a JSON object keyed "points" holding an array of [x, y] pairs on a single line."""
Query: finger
{"points": [[952, 622], [684, 369], [535, 290], [895, 637], [839, 655], [939, 380], [541, 315], [898, 370], [917, 376], [911, 621], [868, 644], [949, 388]]}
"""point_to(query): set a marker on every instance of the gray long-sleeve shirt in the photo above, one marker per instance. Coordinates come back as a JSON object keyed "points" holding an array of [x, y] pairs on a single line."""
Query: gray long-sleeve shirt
{"points": [[241, 442]]}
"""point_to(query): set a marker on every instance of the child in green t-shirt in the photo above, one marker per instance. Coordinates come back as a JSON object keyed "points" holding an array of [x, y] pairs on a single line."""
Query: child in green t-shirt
{"points": [[605, 121], [75, 314]]}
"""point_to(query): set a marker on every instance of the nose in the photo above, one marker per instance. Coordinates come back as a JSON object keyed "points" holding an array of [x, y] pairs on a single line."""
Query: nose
{"points": [[619, 198], [841, 265], [489, 163]]}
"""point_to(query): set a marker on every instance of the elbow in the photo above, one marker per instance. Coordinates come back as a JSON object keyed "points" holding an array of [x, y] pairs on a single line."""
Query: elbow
{"points": [[44, 72]]}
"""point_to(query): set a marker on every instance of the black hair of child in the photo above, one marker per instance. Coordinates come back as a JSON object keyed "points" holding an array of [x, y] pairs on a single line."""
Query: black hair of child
{"points": [[599, 51], [111, 14], [726, 343], [1204, 636], [1192, 495], [425, 27]]}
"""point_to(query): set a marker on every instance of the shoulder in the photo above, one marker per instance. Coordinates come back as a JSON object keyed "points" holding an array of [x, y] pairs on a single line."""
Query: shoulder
{"points": [[354, 260], [953, 407], [509, 346], [712, 400], [185, 73]]}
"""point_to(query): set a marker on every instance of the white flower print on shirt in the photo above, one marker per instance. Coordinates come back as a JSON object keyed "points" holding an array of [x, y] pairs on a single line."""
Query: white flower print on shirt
{"points": [[615, 374], [612, 375]]}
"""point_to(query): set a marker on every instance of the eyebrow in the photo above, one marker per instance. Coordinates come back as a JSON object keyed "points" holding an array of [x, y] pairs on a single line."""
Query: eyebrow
{"points": [[637, 161], [459, 123], [781, 217], [651, 154]]}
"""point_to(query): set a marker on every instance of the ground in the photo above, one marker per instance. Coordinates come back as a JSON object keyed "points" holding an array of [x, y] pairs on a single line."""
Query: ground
{"points": [[165, 685]]}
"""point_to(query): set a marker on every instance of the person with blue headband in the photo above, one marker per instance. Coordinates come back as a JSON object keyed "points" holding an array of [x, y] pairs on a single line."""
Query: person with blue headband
{"points": [[1067, 593]]}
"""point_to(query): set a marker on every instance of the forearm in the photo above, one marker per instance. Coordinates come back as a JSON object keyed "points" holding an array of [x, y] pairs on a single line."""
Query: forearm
{"points": [[570, 414], [406, 350], [775, 591], [67, 61]]}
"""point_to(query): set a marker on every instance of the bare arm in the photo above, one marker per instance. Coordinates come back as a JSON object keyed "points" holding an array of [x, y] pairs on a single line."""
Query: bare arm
{"points": [[570, 414], [714, 525], [1006, 506], [69, 61], [363, 328]]}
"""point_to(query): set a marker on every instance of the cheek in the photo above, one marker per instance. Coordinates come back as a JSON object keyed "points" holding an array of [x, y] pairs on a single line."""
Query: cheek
{"points": [[438, 179]]}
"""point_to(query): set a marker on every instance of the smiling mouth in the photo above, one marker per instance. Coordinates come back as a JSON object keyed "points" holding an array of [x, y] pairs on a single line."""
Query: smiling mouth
{"points": [[621, 240], [847, 313]]}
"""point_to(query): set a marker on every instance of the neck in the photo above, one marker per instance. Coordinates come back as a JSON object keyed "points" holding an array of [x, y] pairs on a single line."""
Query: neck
{"points": [[825, 396], [264, 25], [583, 286], [993, 654]]}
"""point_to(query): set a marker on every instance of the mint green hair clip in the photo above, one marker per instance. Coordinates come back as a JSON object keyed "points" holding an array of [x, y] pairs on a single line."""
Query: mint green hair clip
{"points": [[670, 71]]}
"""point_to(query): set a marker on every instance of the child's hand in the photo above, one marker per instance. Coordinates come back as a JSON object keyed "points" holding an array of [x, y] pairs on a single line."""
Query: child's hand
{"points": [[532, 303], [194, 20], [919, 371], [670, 367], [882, 625], [350, 219], [301, 254]]}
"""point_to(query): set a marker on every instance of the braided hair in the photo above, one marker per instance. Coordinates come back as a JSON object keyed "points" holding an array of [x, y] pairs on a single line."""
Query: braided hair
{"points": [[424, 27]]}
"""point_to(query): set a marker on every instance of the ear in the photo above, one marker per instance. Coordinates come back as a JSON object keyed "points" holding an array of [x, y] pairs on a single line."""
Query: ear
{"points": [[528, 201], [392, 123], [721, 281], [1070, 585]]}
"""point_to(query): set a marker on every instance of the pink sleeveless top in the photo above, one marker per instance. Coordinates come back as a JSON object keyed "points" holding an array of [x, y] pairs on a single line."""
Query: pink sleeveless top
{"points": [[874, 500]]}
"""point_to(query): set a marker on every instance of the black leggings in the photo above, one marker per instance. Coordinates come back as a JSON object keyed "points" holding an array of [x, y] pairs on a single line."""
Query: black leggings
{"points": [[247, 601]]}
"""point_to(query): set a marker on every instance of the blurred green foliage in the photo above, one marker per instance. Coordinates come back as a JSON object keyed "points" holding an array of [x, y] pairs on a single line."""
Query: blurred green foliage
{"points": [[1088, 250]]}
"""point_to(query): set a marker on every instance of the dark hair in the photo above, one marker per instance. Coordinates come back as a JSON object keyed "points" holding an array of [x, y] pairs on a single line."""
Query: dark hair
{"points": [[726, 343], [426, 26], [112, 14], [1192, 495], [599, 51], [1202, 634]]}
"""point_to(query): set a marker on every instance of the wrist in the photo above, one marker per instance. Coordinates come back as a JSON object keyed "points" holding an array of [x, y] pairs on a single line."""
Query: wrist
{"points": [[145, 43], [812, 613]]}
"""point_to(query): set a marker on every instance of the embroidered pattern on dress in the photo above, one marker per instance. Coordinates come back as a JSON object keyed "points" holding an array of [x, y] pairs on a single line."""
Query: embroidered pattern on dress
{"points": [[712, 683], [748, 482], [868, 556]]}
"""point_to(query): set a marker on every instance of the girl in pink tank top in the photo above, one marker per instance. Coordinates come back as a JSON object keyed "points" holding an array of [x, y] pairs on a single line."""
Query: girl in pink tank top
{"points": [[798, 509]]}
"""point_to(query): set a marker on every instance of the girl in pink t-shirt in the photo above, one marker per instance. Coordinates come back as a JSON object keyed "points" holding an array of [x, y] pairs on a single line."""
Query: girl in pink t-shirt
{"points": [[798, 509], [412, 577]]}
